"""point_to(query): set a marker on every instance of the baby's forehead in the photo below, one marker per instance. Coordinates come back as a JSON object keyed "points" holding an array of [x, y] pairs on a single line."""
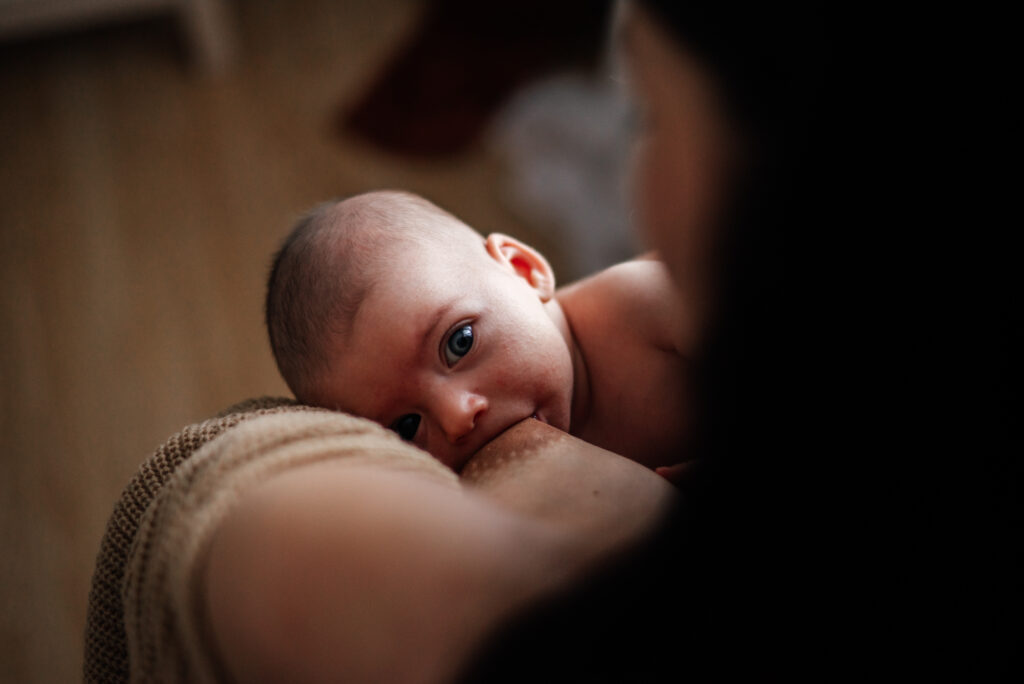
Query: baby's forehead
{"points": [[384, 258], [391, 210], [405, 299], [422, 269], [386, 243], [379, 216]]}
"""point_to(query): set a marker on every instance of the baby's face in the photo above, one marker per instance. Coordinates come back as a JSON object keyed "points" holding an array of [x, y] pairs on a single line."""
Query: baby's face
{"points": [[449, 349]]}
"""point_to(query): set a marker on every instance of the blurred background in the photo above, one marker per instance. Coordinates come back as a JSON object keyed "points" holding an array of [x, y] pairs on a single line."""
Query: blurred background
{"points": [[153, 153]]}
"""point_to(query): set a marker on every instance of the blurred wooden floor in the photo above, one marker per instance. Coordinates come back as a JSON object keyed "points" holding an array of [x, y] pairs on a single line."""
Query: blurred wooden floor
{"points": [[139, 206]]}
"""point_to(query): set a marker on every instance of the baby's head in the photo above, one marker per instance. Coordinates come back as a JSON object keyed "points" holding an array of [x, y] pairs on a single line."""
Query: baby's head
{"points": [[385, 306]]}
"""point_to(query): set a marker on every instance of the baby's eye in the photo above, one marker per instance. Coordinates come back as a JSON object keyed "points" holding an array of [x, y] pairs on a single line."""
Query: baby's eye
{"points": [[458, 345], [406, 426]]}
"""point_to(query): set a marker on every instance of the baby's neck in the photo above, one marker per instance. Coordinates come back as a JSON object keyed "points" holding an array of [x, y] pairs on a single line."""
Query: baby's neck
{"points": [[581, 399]]}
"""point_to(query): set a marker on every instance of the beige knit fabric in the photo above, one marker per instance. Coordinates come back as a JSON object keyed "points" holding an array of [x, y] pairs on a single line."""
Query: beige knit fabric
{"points": [[145, 619]]}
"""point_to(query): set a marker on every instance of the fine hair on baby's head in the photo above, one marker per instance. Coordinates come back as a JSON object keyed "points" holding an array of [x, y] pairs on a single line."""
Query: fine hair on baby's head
{"points": [[328, 263]]}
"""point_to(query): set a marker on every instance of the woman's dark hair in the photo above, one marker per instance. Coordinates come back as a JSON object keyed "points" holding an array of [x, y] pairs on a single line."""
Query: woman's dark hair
{"points": [[852, 388], [758, 517], [855, 510]]}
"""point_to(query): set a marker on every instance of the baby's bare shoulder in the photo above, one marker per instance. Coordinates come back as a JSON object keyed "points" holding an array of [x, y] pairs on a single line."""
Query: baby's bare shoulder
{"points": [[634, 297]]}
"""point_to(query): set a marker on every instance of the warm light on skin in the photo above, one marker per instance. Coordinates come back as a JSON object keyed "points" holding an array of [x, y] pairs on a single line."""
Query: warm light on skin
{"points": [[393, 361], [456, 338], [543, 507], [365, 573]]}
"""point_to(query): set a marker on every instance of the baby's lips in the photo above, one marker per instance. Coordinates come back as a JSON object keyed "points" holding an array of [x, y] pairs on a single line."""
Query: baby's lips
{"points": [[537, 416], [498, 432], [463, 459]]}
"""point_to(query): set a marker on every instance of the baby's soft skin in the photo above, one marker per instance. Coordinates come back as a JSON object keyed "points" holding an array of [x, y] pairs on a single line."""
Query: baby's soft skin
{"points": [[629, 332], [453, 347], [455, 338]]}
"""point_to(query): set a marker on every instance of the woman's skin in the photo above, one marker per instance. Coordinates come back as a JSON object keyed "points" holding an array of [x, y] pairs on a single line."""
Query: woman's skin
{"points": [[602, 500], [340, 572]]}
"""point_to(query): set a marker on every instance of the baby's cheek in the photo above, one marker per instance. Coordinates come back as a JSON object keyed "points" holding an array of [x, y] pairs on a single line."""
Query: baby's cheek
{"points": [[555, 381]]}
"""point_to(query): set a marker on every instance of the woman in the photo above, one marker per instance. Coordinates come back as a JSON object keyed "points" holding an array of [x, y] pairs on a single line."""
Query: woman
{"points": [[722, 190], [725, 119], [852, 512], [792, 532]]}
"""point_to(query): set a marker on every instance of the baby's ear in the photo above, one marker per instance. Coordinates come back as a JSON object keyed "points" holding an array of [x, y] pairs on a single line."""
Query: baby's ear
{"points": [[524, 261]]}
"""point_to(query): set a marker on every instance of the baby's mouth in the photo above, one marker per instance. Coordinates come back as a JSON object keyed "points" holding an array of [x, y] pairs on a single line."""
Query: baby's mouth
{"points": [[537, 416]]}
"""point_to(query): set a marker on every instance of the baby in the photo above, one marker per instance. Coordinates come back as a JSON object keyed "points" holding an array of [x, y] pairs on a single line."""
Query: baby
{"points": [[385, 306]]}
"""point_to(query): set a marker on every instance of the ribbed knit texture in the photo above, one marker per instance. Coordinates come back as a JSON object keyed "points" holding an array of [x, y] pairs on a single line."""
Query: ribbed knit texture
{"points": [[145, 620]]}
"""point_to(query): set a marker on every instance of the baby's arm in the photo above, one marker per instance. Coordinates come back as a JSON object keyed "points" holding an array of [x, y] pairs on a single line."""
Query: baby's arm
{"points": [[634, 339], [669, 324]]}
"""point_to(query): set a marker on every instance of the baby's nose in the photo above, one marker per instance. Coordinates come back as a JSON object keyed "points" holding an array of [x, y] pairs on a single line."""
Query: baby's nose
{"points": [[458, 413]]}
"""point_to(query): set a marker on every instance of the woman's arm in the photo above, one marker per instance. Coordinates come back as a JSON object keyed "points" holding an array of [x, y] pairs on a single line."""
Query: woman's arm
{"points": [[354, 572]]}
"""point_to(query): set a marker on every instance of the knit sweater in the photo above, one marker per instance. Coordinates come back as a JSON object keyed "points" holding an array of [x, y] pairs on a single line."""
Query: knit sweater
{"points": [[146, 619]]}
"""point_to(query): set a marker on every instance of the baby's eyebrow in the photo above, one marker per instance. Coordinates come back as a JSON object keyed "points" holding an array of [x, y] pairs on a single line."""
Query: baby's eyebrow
{"points": [[436, 317]]}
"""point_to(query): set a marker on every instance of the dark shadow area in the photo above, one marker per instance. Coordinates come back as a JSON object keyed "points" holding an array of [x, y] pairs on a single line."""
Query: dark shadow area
{"points": [[438, 92]]}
